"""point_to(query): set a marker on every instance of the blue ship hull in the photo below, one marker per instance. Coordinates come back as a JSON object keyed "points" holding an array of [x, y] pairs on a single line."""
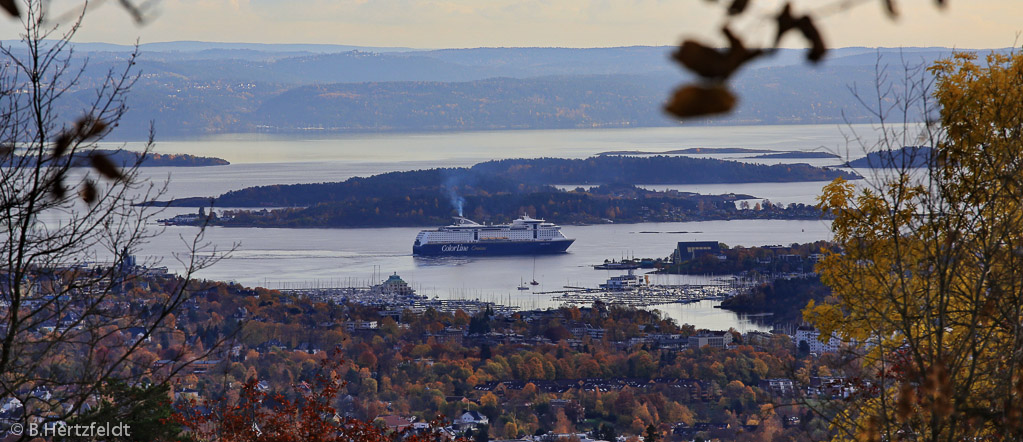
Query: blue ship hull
{"points": [[493, 248]]}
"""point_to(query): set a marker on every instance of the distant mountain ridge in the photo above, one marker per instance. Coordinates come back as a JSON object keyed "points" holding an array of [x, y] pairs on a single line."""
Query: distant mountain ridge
{"points": [[197, 46], [197, 88]]}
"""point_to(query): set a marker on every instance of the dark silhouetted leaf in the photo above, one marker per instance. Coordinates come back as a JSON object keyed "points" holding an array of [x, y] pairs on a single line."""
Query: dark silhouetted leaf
{"points": [[811, 33], [104, 166], [11, 7], [711, 63], [787, 22], [738, 50], [62, 143], [737, 7], [6, 149], [89, 127], [88, 192], [889, 7], [57, 189], [704, 61], [694, 101], [135, 12]]}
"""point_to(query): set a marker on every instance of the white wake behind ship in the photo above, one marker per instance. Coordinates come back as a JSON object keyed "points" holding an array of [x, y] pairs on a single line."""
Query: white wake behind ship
{"points": [[524, 236]]}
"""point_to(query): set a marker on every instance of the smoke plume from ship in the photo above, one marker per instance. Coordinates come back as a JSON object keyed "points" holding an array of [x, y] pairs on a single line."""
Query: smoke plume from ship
{"points": [[457, 201]]}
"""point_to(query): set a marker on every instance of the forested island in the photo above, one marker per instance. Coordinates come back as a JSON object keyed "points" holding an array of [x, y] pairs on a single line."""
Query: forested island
{"points": [[795, 155], [499, 191], [659, 169], [690, 151], [128, 158], [153, 159], [907, 156], [762, 153]]}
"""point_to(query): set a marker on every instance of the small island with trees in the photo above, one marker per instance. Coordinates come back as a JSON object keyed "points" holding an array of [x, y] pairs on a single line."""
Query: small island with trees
{"points": [[153, 159], [126, 158]]}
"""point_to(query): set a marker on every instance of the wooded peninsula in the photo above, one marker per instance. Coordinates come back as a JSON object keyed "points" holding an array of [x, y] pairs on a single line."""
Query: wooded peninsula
{"points": [[501, 190]]}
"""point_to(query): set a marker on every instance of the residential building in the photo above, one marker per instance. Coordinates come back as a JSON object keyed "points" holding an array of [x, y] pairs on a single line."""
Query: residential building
{"points": [[716, 339], [811, 336], [471, 419], [394, 423], [779, 387]]}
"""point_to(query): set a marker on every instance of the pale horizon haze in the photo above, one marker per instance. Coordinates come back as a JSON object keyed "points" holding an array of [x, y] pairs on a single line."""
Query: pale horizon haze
{"points": [[429, 24]]}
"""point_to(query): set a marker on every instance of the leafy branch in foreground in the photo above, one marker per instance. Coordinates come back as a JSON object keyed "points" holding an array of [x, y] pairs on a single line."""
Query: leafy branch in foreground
{"points": [[72, 321], [928, 280], [709, 95]]}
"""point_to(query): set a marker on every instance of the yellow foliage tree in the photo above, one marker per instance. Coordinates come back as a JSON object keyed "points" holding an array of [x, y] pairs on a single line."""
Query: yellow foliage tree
{"points": [[511, 430], [929, 279], [489, 400], [561, 423]]}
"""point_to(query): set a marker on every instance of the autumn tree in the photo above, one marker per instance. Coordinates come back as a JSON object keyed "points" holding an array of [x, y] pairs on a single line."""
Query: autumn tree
{"points": [[929, 280], [652, 434]]}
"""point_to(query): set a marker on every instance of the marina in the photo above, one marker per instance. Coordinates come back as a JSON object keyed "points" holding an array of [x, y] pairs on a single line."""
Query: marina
{"points": [[394, 294], [641, 297], [628, 290]]}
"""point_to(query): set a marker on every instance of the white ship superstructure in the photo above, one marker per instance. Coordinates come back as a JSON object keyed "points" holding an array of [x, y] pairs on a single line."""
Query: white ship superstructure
{"points": [[525, 235]]}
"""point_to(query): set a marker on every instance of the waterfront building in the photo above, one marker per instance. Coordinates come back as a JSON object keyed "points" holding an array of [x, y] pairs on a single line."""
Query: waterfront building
{"points": [[688, 250], [394, 285]]}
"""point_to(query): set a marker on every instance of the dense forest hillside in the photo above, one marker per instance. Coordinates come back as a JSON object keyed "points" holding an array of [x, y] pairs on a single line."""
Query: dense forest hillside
{"points": [[503, 103]]}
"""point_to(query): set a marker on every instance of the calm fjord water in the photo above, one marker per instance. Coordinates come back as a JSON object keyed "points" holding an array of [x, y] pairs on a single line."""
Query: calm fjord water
{"points": [[332, 257]]}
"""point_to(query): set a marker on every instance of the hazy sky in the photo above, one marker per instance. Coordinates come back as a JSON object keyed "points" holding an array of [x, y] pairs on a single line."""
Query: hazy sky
{"points": [[572, 23]]}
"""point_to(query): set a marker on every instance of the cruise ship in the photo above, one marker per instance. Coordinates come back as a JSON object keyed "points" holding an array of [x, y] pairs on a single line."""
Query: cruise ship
{"points": [[524, 236]]}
